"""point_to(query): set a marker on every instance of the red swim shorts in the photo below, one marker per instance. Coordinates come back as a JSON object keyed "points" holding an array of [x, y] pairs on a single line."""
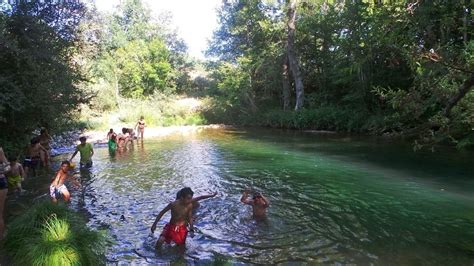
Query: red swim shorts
{"points": [[175, 233]]}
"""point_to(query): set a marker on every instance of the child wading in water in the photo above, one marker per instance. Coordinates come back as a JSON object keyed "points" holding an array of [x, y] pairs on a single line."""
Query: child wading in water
{"points": [[181, 215], [57, 187], [258, 202], [15, 175], [86, 150]]}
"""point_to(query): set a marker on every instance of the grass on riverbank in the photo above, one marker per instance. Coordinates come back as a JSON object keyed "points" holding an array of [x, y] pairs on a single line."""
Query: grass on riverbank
{"points": [[158, 110], [52, 234]]}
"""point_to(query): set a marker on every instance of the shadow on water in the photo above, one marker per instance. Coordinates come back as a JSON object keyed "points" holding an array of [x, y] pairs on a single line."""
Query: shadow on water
{"points": [[333, 199]]}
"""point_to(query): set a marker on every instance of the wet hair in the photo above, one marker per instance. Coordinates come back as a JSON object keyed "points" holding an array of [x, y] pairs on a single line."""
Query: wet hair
{"points": [[65, 162], [184, 192], [257, 195], [124, 130], [34, 140], [43, 130], [111, 130], [12, 159], [82, 138]]}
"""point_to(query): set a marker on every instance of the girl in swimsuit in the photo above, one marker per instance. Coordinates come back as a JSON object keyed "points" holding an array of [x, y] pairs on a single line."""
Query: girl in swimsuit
{"points": [[140, 127]]}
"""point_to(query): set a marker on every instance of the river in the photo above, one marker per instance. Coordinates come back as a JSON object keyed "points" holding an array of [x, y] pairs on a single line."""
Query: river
{"points": [[333, 199]]}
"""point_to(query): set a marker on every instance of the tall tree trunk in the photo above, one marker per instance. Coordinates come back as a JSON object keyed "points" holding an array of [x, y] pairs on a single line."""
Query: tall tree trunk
{"points": [[292, 58], [286, 84], [465, 88]]}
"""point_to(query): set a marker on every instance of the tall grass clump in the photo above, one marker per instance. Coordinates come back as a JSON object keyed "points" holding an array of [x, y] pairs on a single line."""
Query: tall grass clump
{"points": [[52, 234]]}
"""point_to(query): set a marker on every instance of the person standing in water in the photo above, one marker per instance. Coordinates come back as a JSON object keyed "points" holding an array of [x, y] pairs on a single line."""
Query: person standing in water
{"points": [[140, 127], [45, 141], [33, 156], [57, 187], [181, 215], [3, 190], [15, 175], [258, 202], [86, 150], [112, 140]]}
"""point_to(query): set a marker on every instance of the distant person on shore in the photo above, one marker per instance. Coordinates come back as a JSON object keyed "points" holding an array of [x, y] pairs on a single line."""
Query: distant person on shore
{"points": [[86, 151], [15, 175], [33, 156], [181, 215], [3, 190], [45, 141], [140, 127], [58, 189], [258, 202]]}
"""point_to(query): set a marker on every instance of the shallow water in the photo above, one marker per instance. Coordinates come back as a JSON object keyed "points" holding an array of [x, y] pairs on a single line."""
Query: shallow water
{"points": [[333, 199]]}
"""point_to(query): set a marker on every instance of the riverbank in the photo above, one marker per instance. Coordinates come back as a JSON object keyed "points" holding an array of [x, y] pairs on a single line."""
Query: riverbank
{"points": [[100, 137]]}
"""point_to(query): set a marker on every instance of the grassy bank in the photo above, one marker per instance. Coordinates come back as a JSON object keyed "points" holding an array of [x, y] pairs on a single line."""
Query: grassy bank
{"points": [[158, 111], [49, 234]]}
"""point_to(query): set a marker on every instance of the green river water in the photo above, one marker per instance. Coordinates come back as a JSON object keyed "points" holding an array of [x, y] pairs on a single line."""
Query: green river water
{"points": [[334, 199]]}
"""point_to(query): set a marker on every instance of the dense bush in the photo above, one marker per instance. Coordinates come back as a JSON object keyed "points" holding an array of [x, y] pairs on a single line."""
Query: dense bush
{"points": [[52, 234]]}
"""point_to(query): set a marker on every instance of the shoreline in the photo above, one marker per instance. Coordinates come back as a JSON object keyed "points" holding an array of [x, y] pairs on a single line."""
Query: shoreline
{"points": [[100, 137]]}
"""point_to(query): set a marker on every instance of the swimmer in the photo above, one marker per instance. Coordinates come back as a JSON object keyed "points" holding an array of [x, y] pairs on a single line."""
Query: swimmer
{"points": [[181, 215], [258, 202]]}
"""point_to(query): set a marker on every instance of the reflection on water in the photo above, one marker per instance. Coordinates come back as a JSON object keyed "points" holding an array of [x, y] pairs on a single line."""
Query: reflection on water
{"points": [[332, 200]]}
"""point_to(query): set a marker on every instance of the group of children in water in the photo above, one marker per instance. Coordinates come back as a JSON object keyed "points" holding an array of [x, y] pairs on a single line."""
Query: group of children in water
{"points": [[182, 209], [122, 139]]}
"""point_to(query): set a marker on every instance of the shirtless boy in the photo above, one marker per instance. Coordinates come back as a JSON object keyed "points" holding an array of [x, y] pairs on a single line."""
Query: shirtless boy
{"points": [[57, 187], [15, 175], [181, 215], [258, 202], [33, 155]]}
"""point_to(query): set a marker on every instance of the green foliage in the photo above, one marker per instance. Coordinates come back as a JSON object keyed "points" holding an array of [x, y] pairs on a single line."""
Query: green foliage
{"points": [[158, 110], [50, 234], [38, 76], [376, 66]]}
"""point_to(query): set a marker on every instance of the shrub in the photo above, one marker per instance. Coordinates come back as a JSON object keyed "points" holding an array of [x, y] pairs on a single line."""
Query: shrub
{"points": [[52, 234]]}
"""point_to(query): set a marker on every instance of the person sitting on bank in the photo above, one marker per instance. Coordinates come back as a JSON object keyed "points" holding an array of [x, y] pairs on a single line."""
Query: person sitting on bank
{"points": [[258, 202], [86, 151], [58, 189]]}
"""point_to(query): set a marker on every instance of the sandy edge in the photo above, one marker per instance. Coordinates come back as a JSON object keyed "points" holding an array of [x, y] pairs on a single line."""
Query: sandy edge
{"points": [[98, 137]]}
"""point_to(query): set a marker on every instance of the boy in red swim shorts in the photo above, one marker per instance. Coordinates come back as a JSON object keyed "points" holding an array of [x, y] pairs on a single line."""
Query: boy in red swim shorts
{"points": [[181, 216]]}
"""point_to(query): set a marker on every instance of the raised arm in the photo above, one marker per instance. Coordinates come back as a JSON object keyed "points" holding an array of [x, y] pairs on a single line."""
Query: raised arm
{"points": [[203, 197], [162, 212], [245, 198], [267, 202]]}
